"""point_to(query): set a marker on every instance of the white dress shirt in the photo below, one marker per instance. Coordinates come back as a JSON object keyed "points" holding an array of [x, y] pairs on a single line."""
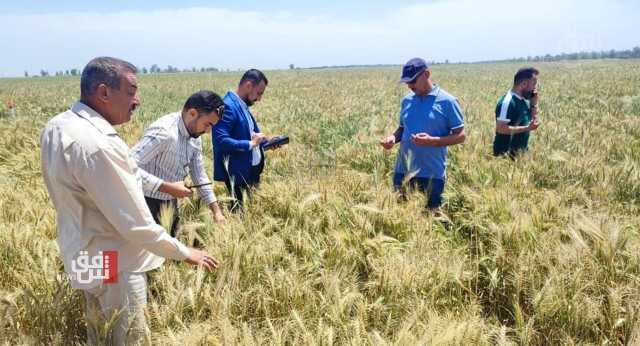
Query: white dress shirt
{"points": [[165, 152], [256, 156], [99, 203]]}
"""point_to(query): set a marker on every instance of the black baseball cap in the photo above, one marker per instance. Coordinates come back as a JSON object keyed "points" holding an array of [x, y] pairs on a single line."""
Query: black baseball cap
{"points": [[412, 69]]}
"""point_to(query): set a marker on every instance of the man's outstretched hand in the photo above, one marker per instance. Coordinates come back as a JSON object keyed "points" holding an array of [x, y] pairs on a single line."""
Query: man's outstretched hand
{"points": [[201, 258]]}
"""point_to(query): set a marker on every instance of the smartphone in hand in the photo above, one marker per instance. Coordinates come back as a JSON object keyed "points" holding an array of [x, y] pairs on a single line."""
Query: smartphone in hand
{"points": [[275, 142]]}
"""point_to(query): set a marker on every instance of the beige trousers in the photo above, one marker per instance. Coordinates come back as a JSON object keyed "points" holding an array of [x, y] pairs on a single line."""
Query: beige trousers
{"points": [[115, 312]]}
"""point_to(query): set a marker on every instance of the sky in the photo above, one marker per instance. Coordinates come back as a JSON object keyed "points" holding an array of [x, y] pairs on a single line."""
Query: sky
{"points": [[61, 35]]}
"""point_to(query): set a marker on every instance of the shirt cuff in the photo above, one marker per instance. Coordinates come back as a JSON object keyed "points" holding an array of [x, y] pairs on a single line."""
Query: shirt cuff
{"points": [[163, 245], [156, 183], [183, 249], [151, 183], [207, 195]]}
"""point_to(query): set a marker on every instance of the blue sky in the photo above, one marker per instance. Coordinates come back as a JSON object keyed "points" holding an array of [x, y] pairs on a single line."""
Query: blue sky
{"points": [[60, 35], [347, 9]]}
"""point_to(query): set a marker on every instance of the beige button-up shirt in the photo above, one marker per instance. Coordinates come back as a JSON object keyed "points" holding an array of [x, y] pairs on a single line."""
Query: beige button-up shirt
{"points": [[99, 202]]}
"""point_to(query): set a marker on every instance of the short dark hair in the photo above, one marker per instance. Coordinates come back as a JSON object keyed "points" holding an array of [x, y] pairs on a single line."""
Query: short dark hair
{"points": [[204, 101], [255, 76], [524, 74], [103, 70]]}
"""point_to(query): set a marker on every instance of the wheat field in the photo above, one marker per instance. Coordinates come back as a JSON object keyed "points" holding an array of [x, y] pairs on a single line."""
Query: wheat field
{"points": [[541, 251]]}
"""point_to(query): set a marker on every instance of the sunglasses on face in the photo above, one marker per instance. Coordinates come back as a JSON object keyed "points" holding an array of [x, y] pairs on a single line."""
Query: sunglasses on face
{"points": [[219, 111]]}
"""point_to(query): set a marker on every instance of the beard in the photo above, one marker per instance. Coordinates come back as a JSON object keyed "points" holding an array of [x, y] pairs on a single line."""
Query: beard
{"points": [[528, 94], [248, 102], [191, 130]]}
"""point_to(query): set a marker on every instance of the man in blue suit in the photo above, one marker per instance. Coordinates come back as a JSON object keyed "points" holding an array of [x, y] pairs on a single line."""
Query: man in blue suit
{"points": [[238, 157]]}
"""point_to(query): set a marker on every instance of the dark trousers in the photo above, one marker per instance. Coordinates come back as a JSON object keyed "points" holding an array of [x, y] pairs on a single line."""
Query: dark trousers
{"points": [[155, 206], [513, 153], [240, 188], [432, 187]]}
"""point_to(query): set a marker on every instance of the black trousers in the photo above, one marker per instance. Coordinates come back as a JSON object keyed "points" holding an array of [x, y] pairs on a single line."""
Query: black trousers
{"points": [[155, 206], [240, 188]]}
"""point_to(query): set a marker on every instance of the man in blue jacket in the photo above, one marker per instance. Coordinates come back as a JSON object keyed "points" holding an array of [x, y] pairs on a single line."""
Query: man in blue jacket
{"points": [[238, 157]]}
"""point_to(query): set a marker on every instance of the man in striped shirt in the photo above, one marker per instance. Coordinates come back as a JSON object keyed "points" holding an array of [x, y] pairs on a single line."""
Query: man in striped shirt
{"points": [[516, 114], [170, 149]]}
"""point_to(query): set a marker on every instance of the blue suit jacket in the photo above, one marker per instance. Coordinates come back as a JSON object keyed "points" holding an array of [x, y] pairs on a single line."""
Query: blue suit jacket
{"points": [[232, 141]]}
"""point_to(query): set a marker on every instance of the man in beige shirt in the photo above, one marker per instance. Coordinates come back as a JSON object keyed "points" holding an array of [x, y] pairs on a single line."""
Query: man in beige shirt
{"points": [[100, 205]]}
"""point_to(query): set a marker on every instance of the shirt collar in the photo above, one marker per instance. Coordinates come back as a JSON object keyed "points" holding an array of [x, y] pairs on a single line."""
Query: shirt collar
{"points": [[97, 120], [182, 127], [239, 99], [434, 91], [516, 95]]}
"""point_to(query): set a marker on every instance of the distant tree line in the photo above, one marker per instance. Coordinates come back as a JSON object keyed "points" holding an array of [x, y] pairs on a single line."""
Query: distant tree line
{"points": [[153, 69], [340, 66], [172, 69], [45, 73], [633, 53]]}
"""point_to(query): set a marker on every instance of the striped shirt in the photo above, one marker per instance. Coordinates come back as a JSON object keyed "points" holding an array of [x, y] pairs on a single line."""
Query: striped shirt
{"points": [[167, 152]]}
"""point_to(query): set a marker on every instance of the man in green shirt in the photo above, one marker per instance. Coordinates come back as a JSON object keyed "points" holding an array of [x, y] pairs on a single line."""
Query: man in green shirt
{"points": [[516, 114]]}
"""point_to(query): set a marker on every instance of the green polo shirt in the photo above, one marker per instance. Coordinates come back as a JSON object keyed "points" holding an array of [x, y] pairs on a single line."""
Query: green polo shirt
{"points": [[514, 110]]}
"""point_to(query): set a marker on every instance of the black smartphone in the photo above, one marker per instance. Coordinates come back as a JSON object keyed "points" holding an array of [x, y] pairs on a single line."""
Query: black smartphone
{"points": [[276, 141]]}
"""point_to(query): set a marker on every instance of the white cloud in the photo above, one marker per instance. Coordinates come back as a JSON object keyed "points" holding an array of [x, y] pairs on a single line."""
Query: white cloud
{"points": [[457, 30]]}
